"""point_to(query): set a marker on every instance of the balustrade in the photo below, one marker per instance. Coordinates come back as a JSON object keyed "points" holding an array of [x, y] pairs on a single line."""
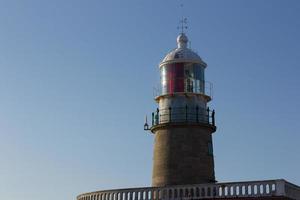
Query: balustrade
{"points": [[200, 191]]}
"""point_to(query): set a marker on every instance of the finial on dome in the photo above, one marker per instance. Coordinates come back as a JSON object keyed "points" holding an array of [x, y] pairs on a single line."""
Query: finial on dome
{"points": [[182, 40]]}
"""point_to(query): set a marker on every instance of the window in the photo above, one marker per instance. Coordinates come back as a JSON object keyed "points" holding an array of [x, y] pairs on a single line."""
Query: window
{"points": [[182, 77]]}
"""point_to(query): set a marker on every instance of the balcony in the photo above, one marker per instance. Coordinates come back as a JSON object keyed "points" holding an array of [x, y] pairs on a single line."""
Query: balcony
{"points": [[182, 115]]}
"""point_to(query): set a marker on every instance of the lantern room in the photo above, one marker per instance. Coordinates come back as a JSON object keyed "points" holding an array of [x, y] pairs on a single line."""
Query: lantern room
{"points": [[182, 70]]}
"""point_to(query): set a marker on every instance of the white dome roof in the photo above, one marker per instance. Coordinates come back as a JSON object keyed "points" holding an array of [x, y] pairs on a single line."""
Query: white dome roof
{"points": [[182, 53]]}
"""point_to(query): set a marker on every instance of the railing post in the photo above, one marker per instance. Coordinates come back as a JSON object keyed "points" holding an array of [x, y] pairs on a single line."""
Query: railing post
{"points": [[197, 114], [213, 117], [152, 118], [157, 116], [170, 114], [186, 113]]}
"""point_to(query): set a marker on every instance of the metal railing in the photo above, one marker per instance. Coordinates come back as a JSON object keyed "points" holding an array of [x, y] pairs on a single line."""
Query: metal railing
{"points": [[250, 189], [183, 114]]}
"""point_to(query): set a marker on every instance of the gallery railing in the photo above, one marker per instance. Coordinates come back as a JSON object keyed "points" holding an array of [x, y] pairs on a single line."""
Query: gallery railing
{"points": [[183, 114]]}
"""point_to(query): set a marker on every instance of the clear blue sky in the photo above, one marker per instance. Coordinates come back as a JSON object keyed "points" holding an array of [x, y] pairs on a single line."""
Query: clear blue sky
{"points": [[76, 80]]}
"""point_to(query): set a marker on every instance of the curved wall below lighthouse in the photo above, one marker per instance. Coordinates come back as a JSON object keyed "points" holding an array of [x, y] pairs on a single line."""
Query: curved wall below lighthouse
{"points": [[183, 155], [182, 100]]}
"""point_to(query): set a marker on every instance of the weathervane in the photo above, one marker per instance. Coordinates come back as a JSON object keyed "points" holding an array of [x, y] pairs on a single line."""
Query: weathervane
{"points": [[182, 22]]}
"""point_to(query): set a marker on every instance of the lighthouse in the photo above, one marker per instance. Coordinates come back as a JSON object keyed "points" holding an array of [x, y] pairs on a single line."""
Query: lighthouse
{"points": [[183, 158], [183, 123]]}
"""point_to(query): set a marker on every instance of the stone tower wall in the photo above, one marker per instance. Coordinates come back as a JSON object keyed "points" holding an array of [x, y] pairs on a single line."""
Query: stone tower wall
{"points": [[182, 156]]}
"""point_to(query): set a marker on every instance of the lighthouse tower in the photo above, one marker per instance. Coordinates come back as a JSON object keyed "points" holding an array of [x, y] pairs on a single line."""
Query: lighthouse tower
{"points": [[183, 123]]}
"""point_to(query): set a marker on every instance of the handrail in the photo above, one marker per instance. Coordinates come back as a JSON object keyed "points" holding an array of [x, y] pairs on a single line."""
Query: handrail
{"points": [[183, 114], [257, 189]]}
